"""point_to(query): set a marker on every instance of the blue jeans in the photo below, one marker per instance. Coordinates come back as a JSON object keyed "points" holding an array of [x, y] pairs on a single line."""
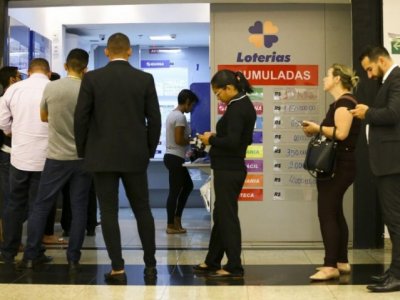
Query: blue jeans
{"points": [[23, 190], [55, 175]]}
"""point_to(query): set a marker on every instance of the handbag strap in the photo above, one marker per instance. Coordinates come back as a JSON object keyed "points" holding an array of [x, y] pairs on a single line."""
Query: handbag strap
{"points": [[349, 98], [333, 135]]}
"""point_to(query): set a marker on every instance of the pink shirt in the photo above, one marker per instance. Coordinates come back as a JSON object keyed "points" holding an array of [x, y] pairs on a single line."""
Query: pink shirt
{"points": [[20, 115]]}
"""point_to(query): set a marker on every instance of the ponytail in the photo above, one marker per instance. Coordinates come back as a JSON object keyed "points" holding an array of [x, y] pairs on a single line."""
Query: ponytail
{"points": [[227, 77]]}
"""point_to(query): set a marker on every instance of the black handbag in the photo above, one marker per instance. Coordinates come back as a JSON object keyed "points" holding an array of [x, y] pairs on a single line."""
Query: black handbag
{"points": [[321, 156]]}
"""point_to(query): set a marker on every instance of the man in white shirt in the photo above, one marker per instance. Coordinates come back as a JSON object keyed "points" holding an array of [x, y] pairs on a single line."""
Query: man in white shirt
{"points": [[20, 115]]}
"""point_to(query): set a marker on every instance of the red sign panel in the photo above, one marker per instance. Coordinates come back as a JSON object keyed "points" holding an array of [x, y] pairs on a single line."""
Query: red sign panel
{"points": [[251, 195], [277, 74], [254, 180]]}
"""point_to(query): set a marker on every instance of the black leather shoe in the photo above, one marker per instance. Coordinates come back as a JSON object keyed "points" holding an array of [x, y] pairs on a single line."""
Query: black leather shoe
{"points": [[199, 269], [73, 267], [6, 260], [32, 263], [380, 278], [150, 272], [24, 264], [117, 279], [391, 284], [43, 259]]}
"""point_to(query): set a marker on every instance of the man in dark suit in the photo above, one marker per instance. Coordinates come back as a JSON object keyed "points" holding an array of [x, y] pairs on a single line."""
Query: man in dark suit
{"points": [[383, 135], [117, 129]]}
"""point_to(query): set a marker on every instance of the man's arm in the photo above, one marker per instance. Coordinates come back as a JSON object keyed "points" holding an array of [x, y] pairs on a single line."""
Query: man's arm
{"points": [[83, 114], [5, 113], [153, 117], [390, 114]]}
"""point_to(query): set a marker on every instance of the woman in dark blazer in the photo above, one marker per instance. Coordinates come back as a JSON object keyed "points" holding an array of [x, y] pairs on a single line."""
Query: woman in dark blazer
{"points": [[228, 150]]}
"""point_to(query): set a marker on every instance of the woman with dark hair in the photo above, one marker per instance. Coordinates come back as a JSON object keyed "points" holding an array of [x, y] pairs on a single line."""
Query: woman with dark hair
{"points": [[177, 142], [234, 132], [339, 82]]}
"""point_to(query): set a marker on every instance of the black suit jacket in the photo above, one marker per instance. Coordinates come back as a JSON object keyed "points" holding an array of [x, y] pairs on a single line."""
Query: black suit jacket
{"points": [[383, 118], [117, 119]]}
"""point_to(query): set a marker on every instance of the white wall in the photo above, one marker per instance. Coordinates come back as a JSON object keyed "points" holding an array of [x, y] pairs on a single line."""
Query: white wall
{"points": [[49, 21]]}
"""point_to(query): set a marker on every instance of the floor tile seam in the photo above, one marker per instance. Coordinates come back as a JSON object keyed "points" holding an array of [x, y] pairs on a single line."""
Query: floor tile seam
{"points": [[373, 257]]}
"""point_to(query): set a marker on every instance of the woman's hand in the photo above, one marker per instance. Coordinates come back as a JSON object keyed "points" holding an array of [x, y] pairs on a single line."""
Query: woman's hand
{"points": [[310, 128], [205, 137]]}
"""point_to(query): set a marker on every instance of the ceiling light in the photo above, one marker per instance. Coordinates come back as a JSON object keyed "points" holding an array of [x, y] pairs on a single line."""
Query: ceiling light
{"points": [[168, 37]]}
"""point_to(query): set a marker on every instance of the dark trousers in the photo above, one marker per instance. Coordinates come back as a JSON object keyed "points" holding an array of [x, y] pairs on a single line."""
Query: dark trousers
{"points": [[66, 215], [51, 218], [226, 234], [4, 180], [23, 191], [389, 197], [136, 188], [333, 225], [180, 186], [54, 176]]}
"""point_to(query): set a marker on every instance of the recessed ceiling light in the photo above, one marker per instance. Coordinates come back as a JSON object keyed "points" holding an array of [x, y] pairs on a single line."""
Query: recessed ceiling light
{"points": [[167, 37]]}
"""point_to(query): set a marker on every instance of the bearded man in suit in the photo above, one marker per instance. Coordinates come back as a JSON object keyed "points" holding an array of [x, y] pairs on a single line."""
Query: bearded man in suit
{"points": [[383, 121], [117, 129]]}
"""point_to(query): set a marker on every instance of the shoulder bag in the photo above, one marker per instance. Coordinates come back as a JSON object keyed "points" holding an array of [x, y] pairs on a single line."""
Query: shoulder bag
{"points": [[321, 156]]}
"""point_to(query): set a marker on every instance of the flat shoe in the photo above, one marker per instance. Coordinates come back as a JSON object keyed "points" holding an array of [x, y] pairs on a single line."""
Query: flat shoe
{"points": [[199, 269], [216, 275], [55, 241], [345, 269], [115, 278], [323, 275]]}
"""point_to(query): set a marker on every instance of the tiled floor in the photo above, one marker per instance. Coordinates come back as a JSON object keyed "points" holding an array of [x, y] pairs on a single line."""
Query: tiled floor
{"points": [[270, 273]]}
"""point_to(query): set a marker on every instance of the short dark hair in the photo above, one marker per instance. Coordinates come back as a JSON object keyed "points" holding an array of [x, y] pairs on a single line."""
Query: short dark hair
{"points": [[77, 60], [373, 53], [227, 77], [187, 95], [39, 64], [6, 73], [54, 76], [118, 43]]}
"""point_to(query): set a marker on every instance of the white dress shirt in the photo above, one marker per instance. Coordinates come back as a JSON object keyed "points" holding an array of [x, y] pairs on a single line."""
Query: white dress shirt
{"points": [[20, 115]]}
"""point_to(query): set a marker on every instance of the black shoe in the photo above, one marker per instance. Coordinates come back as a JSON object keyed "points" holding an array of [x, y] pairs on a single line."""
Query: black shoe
{"points": [[117, 279], [91, 232], [150, 272], [43, 259], [391, 284], [73, 267], [6, 260], [24, 264], [380, 278], [32, 263], [199, 269]]}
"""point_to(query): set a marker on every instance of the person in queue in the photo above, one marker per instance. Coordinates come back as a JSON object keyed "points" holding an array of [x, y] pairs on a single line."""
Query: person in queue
{"points": [[339, 82], [383, 125], [177, 140], [234, 132]]}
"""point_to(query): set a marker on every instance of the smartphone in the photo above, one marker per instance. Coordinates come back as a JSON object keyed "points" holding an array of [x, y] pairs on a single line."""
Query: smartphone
{"points": [[300, 123]]}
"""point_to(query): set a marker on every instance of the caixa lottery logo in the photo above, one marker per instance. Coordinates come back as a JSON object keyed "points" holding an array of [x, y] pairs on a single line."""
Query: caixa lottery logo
{"points": [[263, 35]]}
